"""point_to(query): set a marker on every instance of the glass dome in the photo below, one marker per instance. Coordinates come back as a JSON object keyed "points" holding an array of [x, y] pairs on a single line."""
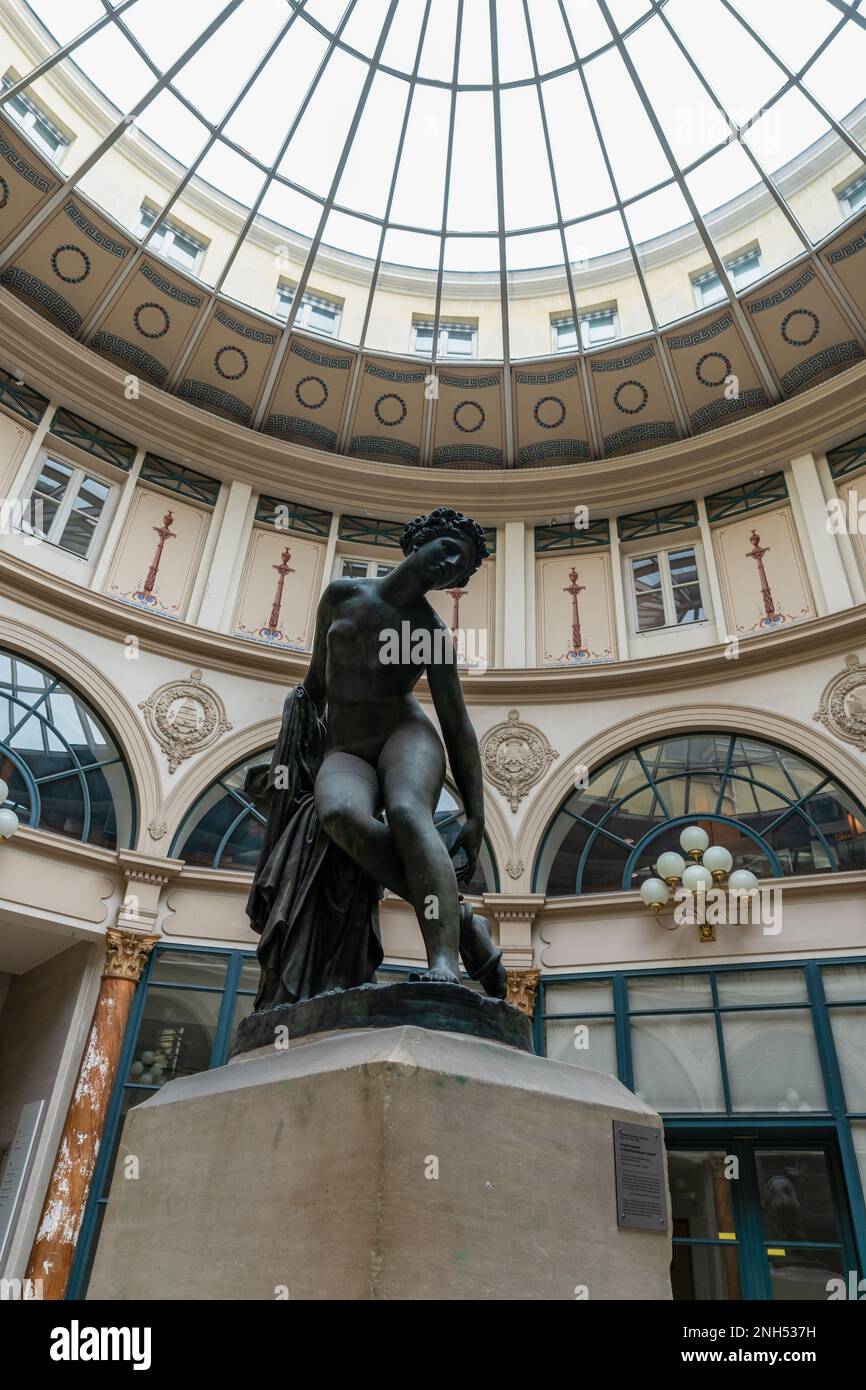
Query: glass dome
{"points": [[479, 155]]}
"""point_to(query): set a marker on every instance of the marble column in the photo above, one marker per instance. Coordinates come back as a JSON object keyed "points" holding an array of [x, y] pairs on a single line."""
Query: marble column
{"points": [[51, 1258]]}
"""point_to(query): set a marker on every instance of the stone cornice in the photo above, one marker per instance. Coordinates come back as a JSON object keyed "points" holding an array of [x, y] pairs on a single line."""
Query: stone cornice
{"points": [[594, 905], [182, 642], [70, 373]]}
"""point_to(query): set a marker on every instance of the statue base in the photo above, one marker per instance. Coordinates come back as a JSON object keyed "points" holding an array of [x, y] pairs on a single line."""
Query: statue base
{"points": [[425, 1004], [383, 1163]]}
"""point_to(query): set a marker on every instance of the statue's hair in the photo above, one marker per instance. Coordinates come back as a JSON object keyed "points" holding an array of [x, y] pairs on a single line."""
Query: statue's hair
{"points": [[445, 521]]}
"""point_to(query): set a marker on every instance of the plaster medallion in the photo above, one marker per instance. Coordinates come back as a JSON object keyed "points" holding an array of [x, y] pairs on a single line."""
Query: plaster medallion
{"points": [[184, 718], [842, 708], [515, 756]]}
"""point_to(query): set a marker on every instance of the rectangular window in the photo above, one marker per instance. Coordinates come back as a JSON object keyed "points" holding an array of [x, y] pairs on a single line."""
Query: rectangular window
{"points": [[853, 196], [666, 589], [38, 124], [596, 326], [354, 568], [72, 505], [316, 313], [742, 269], [457, 338], [171, 241]]}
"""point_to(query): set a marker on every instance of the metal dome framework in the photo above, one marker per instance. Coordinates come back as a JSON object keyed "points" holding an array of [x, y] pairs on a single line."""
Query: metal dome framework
{"points": [[497, 61]]}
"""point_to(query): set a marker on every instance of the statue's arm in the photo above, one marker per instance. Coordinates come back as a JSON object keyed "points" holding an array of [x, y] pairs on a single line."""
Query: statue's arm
{"points": [[314, 681], [463, 755]]}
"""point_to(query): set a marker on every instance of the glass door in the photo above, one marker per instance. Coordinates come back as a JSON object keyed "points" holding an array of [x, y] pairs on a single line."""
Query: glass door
{"points": [[757, 1218]]}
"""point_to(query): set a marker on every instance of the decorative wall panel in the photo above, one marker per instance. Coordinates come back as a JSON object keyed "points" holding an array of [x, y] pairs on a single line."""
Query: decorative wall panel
{"points": [[632, 404], [762, 575], [846, 260], [468, 420], [469, 613], [147, 326], [575, 609], [715, 371], [230, 362], [279, 590], [388, 417], [550, 424], [25, 182], [67, 265], [802, 330], [157, 558], [307, 403]]}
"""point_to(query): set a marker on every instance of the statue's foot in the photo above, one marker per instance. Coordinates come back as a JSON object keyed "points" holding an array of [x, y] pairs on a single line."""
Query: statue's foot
{"points": [[481, 959], [438, 976]]}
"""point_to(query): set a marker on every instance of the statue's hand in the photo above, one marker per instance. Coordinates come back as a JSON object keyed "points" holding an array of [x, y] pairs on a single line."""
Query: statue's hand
{"points": [[469, 840]]}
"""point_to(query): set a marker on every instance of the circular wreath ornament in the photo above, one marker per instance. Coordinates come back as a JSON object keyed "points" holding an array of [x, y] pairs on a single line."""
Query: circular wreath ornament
{"points": [[463, 405], [727, 368], [842, 707], [549, 400], [163, 320], [218, 362], [515, 756], [83, 270], [317, 381], [629, 409], [401, 405], [811, 334], [184, 717]]}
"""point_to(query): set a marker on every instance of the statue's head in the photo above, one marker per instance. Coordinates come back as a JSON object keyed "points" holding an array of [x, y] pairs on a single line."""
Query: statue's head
{"points": [[449, 546]]}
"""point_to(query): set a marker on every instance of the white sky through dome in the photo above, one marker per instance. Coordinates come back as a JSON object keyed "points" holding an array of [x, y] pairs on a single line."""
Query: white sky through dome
{"points": [[550, 89]]}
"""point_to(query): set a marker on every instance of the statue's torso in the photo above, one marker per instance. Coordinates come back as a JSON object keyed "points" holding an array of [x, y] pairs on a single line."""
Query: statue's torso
{"points": [[374, 660]]}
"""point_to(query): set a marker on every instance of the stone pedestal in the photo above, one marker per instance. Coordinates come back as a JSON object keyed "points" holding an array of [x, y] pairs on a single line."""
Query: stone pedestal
{"points": [[384, 1163]]}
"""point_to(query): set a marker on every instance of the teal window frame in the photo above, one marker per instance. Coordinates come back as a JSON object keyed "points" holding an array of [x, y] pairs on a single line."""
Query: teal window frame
{"points": [[177, 478], [93, 439], [663, 824], [834, 1122], [302, 520], [748, 497], [564, 535], [17, 396], [659, 521]]}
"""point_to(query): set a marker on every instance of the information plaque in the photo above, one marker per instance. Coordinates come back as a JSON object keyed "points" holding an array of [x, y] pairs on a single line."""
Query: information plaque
{"points": [[641, 1195]]}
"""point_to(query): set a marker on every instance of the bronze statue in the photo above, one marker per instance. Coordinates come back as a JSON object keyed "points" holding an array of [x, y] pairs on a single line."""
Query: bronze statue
{"points": [[354, 742]]}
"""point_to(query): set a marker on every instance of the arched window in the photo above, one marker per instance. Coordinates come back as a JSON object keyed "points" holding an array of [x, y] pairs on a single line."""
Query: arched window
{"points": [[64, 769], [223, 830], [777, 813]]}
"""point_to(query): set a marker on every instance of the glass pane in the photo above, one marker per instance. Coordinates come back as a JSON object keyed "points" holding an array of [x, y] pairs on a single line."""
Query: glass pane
{"points": [[649, 601], [804, 1274], [849, 1035], [190, 968], [590, 996], [701, 1200], [844, 982], [773, 1062], [587, 1043], [705, 1272], [762, 987], [796, 1195], [688, 604], [176, 1035], [669, 992], [676, 1063], [353, 569]]}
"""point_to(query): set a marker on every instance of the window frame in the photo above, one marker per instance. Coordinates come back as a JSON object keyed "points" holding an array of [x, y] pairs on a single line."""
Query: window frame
{"points": [[169, 229], [731, 264], [445, 328], [79, 474], [585, 319], [667, 588], [35, 112], [844, 194], [372, 565], [310, 300]]}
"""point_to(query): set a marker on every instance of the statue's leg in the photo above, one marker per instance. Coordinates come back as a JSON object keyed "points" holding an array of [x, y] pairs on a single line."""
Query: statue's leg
{"points": [[411, 770], [348, 802]]}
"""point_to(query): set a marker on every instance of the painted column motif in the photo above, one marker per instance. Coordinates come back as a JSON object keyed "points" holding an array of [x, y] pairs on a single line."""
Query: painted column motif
{"points": [[757, 554], [574, 589], [456, 595], [282, 569], [53, 1252], [165, 533]]}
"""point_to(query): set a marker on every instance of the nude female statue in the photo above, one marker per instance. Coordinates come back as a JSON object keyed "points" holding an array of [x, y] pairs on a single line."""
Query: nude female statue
{"points": [[368, 747]]}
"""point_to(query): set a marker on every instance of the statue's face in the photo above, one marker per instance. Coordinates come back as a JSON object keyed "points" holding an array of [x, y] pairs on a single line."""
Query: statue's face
{"points": [[445, 560]]}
